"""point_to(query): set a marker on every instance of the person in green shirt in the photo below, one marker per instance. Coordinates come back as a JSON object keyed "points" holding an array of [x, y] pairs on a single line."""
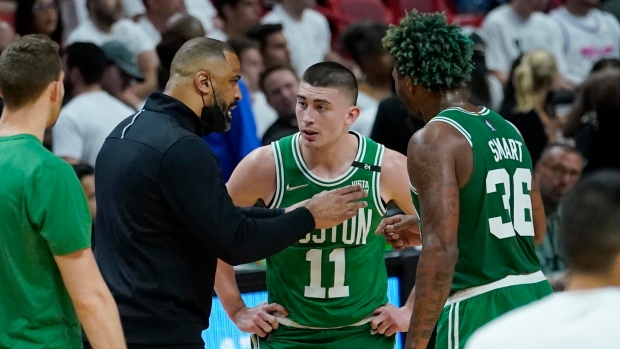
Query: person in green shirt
{"points": [[50, 281]]}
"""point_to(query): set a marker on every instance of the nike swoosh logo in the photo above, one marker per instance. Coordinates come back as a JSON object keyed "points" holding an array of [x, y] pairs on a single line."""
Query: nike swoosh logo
{"points": [[289, 188]]}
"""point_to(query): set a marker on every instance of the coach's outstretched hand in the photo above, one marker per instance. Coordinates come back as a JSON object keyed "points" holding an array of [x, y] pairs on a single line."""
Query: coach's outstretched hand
{"points": [[400, 231], [333, 207]]}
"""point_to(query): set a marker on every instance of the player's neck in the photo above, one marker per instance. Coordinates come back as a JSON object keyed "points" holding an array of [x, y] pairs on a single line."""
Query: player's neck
{"points": [[445, 100], [31, 119], [332, 160], [586, 281]]}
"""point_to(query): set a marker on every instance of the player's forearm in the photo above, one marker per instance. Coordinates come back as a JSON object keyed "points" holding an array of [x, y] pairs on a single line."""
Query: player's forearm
{"points": [[99, 317], [227, 290], [433, 283], [410, 300]]}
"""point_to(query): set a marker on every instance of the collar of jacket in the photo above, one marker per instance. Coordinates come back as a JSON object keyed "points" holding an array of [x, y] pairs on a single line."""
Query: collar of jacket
{"points": [[161, 103]]}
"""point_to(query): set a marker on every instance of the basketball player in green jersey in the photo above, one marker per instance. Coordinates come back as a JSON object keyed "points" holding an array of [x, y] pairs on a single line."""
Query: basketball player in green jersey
{"points": [[480, 211], [331, 286]]}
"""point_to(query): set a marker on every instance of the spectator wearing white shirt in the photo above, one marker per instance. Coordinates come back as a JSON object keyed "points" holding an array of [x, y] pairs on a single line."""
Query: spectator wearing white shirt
{"points": [[588, 35], [158, 16], [86, 121], [238, 15], [307, 31], [105, 23], [517, 28], [585, 316]]}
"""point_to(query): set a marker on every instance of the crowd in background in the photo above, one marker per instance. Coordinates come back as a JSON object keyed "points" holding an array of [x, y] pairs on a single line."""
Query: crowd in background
{"points": [[552, 68]]}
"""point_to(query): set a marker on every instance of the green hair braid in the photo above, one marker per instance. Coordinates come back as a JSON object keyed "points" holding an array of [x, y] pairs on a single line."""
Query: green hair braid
{"points": [[430, 51]]}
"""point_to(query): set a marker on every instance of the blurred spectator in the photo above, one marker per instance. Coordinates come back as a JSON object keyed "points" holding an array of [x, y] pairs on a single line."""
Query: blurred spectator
{"points": [[280, 84], [105, 23], [585, 315], [307, 31], [535, 119], [478, 91], [252, 67], [39, 17], [557, 171], [238, 16], [362, 41], [7, 35], [605, 63], [121, 70], [158, 15], [273, 45], [178, 32], [518, 28], [612, 7], [393, 127], [86, 121], [251, 60], [86, 174], [204, 11], [234, 144], [588, 35], [599, 95]]}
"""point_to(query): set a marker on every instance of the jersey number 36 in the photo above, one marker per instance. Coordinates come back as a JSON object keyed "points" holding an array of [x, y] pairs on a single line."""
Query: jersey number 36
{"points": [[517, 223]]}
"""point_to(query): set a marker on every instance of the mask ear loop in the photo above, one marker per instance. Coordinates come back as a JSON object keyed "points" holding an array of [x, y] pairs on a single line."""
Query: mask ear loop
{"points": [[202, 96]]}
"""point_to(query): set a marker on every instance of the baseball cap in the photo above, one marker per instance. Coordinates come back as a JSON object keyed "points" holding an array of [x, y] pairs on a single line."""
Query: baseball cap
{"points": [[118, 54]]}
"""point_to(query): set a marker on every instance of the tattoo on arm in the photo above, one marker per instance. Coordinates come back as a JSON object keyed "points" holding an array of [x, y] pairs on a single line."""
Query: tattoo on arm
{"points": [[433, 172]]}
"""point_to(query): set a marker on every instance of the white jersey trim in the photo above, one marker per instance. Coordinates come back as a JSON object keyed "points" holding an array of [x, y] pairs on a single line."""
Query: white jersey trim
{"points": [[455, 125], [510, 280]]}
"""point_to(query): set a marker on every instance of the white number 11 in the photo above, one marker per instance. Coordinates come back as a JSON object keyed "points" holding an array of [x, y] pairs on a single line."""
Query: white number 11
{"points": [[315, 290]]}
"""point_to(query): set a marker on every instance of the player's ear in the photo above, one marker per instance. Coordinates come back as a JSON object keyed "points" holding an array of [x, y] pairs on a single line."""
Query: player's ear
{"points": [[352, 114]]}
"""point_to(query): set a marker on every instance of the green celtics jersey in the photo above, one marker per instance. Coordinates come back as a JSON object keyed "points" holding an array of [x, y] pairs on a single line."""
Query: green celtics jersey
{"points": [[496, 231], [332, 277]]}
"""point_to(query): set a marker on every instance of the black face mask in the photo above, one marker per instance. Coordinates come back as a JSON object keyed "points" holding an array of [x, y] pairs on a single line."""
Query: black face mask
{"points": [[214, 116]]}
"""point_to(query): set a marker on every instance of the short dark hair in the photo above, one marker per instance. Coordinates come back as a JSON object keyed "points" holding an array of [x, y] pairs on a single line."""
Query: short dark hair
{"points": [[589, 235], [274, 68], [605, 63], [24, 20], [331, 74], [241, 44], [219, 5], [199, 48], [89, 59], [27, 67], [433, 53], [363, 39], [261, 32], [82, 170]]}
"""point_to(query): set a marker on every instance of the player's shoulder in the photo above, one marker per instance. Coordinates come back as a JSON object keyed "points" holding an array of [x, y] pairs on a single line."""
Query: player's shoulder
{"points": [[261, 156], [393, 161]]}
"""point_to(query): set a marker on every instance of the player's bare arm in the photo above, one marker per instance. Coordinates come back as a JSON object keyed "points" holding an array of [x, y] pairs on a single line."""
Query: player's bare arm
{"points": [[538, 214], [394, 183], [254, 179], [433, 169]]}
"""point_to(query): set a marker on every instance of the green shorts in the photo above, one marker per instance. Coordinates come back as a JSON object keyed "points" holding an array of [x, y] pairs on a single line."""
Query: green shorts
{"points": [[358, 337], [468, 310]]}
